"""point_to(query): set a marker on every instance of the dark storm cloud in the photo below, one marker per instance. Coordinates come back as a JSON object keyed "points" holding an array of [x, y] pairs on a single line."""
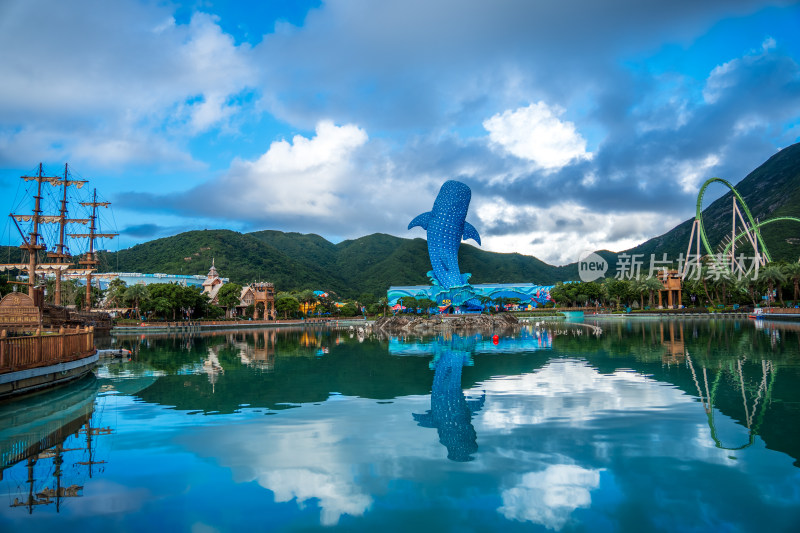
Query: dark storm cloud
{"points": [[420, 65], [148, 231]]}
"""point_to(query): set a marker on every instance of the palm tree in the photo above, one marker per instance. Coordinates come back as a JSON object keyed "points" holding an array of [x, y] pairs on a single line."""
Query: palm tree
{"points": [[652, 284], [774, 277], [383, 302], [792, 272], [639, 286], [705, 275], [722, 281], [306, 298], [135, 294], [741, 286]]}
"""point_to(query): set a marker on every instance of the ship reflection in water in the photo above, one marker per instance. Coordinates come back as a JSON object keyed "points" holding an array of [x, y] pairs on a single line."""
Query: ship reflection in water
{"points": [[52, 437], [451, 412]]}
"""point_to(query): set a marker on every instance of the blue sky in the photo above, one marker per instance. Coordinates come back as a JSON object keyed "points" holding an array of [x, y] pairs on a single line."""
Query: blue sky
{"points": [[578, 124]]}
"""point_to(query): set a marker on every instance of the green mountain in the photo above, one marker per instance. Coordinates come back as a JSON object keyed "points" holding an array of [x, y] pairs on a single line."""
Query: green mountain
{"points": [[296, 261], [771, 190], [370, 264]]}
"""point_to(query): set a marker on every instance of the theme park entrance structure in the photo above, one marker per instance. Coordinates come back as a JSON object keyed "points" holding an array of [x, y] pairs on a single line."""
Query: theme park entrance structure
{"points": [[748, 231]]}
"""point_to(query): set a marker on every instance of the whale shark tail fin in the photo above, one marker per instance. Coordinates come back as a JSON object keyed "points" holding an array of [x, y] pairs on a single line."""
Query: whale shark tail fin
{"points": [[421, 221], [424, 420], [469, 232]]}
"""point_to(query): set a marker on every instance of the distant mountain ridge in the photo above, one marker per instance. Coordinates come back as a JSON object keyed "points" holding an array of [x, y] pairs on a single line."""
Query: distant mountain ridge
{"points": [[370, 264], [295, 261]]}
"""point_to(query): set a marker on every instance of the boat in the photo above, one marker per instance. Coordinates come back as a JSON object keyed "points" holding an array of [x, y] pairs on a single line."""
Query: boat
{"points": [[45, 344]]}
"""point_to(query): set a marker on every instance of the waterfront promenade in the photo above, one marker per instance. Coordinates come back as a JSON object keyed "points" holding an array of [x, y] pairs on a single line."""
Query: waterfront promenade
{"points": [[210, 325]]}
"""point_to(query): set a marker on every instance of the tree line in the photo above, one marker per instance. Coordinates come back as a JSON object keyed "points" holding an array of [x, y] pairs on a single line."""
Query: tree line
{"points": [[772, 284]]}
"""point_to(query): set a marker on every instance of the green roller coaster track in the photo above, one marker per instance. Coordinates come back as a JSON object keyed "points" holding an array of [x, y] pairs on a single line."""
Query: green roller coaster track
{"points": [[754, 226], [758, 226]]}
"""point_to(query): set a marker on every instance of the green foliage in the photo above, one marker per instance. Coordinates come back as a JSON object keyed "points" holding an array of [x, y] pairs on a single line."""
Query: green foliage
{"points": [[348, 310], [425, 304], [214, 311], [228, 296], [287, 305], [409, 302], [5, 287], [115, 293], [80, 297]]}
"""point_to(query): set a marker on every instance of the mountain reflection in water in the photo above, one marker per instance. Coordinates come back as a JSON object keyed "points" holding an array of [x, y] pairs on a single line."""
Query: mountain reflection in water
{"points": [[620, 424]]}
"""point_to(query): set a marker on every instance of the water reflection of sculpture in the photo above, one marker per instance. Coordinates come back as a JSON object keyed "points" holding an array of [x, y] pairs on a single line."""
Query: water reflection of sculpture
{"points": [[451, 412]]}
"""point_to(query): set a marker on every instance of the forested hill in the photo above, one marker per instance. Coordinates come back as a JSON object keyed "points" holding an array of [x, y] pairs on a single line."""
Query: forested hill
{"points": [[370, 264], [295, 261]]}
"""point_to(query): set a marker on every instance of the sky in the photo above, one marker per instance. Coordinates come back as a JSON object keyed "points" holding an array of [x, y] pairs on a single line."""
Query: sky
{"points": [[578, 125]]}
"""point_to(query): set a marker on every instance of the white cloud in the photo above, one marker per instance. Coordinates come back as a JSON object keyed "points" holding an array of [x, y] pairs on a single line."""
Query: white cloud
{"points": [[561, 233], [574, 392], [308, 175], [123, 71], [550, 496], [692, 173], [536, 133], [724, 77], [337, 495]]}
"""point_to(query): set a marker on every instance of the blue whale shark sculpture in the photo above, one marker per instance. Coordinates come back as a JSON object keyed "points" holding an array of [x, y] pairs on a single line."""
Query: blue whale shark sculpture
{"points": [[446, 226]]}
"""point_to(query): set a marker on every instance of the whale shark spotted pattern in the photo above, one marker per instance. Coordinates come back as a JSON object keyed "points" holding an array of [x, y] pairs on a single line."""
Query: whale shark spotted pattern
{"points": [[446, 226]]}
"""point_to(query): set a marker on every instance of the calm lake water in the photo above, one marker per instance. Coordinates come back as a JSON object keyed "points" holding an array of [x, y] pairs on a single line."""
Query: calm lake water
{"points": [[646, 425]]}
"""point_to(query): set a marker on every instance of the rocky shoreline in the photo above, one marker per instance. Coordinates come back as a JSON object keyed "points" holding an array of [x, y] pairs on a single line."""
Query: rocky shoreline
{"points": [[437, 324]]}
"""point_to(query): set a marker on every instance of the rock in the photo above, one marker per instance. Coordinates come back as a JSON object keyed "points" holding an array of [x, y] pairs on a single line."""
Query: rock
{"points": [[435, 324]]}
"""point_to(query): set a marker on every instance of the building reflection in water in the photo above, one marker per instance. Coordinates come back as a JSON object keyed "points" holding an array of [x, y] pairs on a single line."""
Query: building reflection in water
{"points": [[451, 412], [55, 436], [672, 339]]}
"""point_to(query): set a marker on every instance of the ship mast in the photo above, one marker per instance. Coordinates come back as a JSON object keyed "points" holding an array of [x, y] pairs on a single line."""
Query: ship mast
{"points": [[32, 244], [90, 260], [61, 255]]}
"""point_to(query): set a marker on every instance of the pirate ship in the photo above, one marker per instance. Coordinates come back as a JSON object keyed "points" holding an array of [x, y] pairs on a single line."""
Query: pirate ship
{"points": [[45, 343]]}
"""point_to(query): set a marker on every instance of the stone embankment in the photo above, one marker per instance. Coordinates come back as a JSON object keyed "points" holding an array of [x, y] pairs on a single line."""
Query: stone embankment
{"points": [[437, 324]]}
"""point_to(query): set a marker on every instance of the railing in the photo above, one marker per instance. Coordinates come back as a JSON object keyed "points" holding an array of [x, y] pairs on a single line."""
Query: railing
{"points": [[44, 348], [782, 310]]}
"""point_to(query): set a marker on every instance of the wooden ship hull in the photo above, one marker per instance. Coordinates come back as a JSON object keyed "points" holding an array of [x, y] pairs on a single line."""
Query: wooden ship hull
{"points": [[33, 357], [55, 316]]}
